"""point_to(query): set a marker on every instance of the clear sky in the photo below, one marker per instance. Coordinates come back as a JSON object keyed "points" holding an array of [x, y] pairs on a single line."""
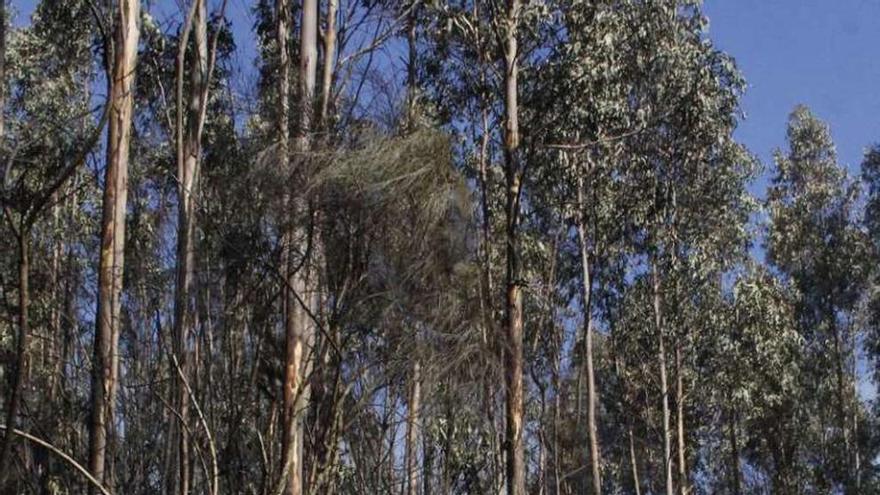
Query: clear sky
{"points": [[822, 53]]}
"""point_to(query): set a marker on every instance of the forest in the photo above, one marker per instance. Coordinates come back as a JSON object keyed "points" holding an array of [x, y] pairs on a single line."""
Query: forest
{"points": [[419, 247]]}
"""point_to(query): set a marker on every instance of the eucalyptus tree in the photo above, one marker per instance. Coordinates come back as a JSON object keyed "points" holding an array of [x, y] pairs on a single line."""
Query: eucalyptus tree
{"points": [[483, 48], [521, 264], [870, 309], [120, 54], [298, 336], [814, 242], [588, 116], [686, 161], [760, 384], [871, 180], [45, 144], [459, 77], [191, 113]]}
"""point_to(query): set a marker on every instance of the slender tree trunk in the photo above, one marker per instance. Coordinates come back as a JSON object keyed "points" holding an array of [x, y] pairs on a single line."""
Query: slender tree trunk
{"points": [[449, 419], [857, 455], [633, 461], [188, 145], [735, 482], [120, 77], [557, 404], [679, 404], [297, 326], [486, 210], [307, 72], [20, 370], [497, 440], [389, 432], [412, 430], [412, 420], [411, 79], [427, 463], [12, 409], [629, 401], [664, 385], [516, 471], [324, 404], [329, 39], [55, 312], [592, 395], [53, 361], [289, 303], [542, 451], [10, 415], [2, 70]]}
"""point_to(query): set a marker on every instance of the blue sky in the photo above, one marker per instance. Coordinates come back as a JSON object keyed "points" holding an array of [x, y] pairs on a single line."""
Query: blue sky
{"points": [[822, 53]]}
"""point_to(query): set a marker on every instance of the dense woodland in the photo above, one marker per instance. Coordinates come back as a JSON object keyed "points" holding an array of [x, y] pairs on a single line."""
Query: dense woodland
{"points": [[421, 247]]}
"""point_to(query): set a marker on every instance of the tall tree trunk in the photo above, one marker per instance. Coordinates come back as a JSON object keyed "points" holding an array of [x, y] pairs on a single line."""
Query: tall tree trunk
{"points": [[415, 393], [735, 482], [411, 74], [557, 404], [19, 372], [664, 385], [188, 144], [679, 404], [629, 401], [2, 70], [633, 461], [325, 404], [10, 414], [428, 449], [120, 77], [329, 47], [289, 308], [592, 395], [412, 429], [385, 462], [516, 471], [55, 312], [857, 455], [297, 325]]}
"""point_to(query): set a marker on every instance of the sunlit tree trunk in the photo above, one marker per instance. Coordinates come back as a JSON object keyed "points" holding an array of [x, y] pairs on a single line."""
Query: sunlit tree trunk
{"points": [[664, 385], [122, 58], [633, 460], [516, 470], [679, 416], [298, 296], [329, 38], [412, 429], [289, 308], [188, 143], [592, 396]]}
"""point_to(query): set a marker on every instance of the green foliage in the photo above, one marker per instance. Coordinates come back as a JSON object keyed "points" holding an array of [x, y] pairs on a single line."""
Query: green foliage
{"points": [[627, 118]]}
